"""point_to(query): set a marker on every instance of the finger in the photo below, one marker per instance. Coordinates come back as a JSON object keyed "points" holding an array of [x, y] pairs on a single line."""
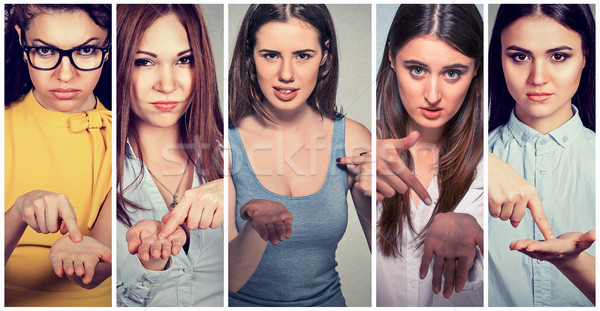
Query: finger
{"points": [[90, 268], [40, 216], [462, 271], [406, 142], [78, 266], [156, 250], [288, 227], [218, 217], [413, 183], [195, 215], [384, 188], [537, 212], [355, 160], [272, 234], [208, 214], [518, 213], [587, 239], [425, 261], [379, 196], [280, 227], [479, 241], [176, 245], [68, 267], [263, 232], [144, 252], [177, 217], [165, 249], [57, 265], [52, 220], [67, 213], [495, 208], [63, 227], [29, 218], [133, 240], [105, 254], [507, 210], [449, 271], [438, 268]]}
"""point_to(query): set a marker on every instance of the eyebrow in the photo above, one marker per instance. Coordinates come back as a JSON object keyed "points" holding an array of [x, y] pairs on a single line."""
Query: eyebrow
{"points": [[556, 49], [295, 52], [55, 47], [453, 66], [156, 56]]}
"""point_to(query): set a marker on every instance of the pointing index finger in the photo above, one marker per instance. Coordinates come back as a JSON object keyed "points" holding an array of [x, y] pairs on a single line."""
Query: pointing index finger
{"points": [[69, 218], [537, 212], [176, 217]]}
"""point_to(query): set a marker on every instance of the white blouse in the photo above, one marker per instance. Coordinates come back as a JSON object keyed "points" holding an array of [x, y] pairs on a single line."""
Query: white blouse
{"points": [[398, 281]]}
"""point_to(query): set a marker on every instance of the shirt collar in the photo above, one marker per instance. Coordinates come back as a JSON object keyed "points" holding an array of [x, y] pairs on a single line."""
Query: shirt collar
{"points": [[562, 135]]}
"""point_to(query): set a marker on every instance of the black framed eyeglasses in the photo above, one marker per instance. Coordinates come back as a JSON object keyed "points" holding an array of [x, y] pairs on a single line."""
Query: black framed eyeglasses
{"points": [[85, 58]]}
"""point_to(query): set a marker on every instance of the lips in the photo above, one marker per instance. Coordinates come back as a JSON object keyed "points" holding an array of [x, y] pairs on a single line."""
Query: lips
{"points": [[285, 93], [165, 106], [64, 94], [431, 113], [538, 96]]}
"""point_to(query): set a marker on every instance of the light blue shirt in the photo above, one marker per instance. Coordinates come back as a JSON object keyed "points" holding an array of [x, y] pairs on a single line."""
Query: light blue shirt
{"points": [[193, 279], [561, 165]]}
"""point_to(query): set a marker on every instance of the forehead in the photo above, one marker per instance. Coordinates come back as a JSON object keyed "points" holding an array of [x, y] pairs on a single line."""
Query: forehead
{"points": [[164, 35], [64, 29], [292, 35], [539, 33], [433, 52]]}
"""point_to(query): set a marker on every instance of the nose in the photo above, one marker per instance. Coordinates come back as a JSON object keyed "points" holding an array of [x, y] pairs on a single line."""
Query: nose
{"points": [[65, 70], [537, 75], [166, 80], [432, 91], [286, 72]]}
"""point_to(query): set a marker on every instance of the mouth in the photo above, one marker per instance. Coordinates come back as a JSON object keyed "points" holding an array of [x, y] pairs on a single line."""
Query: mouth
{"points": [[165, 106], [64, 94], [431, 113], [286, 93], [538, 96]]}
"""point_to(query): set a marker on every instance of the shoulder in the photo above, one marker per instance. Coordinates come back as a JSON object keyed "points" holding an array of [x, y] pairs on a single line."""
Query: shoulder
{"points": [[356, 133]]}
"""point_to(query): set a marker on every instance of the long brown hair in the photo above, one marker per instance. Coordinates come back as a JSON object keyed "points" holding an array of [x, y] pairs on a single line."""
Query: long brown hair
{"points": [[461, 27], [202, 123], [245, 96]]}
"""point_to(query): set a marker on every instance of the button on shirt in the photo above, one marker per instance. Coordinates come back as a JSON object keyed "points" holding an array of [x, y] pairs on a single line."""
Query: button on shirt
{"points": [[561, 166], [398, 281], [192, 279]]}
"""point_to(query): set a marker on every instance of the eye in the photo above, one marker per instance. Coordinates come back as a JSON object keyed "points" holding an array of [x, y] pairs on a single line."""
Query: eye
{"points": [[186, 60], [44, 51], [142, 62], [417, 71], [452, 74], [304, 56], [559, 57], [269, 56], [520, 57], [86, 51]]}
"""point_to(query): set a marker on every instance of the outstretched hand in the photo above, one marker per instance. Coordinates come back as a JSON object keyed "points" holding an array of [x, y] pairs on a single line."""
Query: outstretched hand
{"points": [[392, 174], [70, 258], [199, 208], [510, 194], [564, 247], [451, 240], [271, 219], [152, 251]]}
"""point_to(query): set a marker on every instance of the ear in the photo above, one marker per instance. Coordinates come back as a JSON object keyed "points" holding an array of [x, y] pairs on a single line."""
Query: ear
{"points": [[585, 56], [18, 29], [325, 53], [476, 68], [391, 58]]}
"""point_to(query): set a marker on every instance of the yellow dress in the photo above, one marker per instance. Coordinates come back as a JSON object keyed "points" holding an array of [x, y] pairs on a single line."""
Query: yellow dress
{"points": [[62, 153]]}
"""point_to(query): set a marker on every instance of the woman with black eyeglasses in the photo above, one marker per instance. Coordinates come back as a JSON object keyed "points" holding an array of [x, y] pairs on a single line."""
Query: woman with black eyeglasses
{"points": [[57, 155]]}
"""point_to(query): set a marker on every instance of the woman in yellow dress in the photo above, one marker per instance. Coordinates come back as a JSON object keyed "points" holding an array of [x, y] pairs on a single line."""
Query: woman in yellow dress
{"points": [[57, 155]]}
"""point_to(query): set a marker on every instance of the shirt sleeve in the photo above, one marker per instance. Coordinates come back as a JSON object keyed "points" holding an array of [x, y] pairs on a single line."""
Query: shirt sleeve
{"points": [[136, 286], [472, 204]]}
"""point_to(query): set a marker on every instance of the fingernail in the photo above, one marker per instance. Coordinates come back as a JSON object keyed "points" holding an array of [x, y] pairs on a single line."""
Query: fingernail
{"points": [[427, 201], [363, 153], [338, 160], [436, 290], [421, 276]]}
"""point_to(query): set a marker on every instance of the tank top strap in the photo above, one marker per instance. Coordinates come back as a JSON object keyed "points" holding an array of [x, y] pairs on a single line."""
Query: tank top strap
{"points": [[338, 141]]}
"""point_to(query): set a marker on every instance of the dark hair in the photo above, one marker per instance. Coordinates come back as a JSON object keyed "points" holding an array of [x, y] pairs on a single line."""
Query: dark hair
{"points": [[245, 96], [202, 124], [16, 75], [461, 27], [577, 17]]}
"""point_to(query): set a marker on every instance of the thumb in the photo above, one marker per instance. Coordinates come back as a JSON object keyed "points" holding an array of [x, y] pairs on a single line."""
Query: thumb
{"points": [[479, 241], [105, 254], [587, 239]]}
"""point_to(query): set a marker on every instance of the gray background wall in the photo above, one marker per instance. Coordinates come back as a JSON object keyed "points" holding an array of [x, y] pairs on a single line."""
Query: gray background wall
{"points": [[353, 29], [213, 17]]}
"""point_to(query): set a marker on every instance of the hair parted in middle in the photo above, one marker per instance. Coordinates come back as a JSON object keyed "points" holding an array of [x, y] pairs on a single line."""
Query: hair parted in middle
{"points": [[245, 96], [461, 27], [202, 124]]}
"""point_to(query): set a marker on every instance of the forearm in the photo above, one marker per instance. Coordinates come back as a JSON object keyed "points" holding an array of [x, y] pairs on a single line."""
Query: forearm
{"points": [[581, 271], [14, 227], [245, 252]]}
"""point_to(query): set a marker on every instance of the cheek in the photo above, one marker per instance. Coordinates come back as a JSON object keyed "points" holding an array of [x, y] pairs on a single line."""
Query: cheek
{"points": [[409, 89], [567, 79], [456, 94], [186, 80], [39, 78], [515, 77]]}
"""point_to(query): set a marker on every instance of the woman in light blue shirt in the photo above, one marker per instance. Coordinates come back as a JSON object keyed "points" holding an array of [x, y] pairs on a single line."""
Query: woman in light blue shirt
{"points": [[170, 186], [542, 124]]}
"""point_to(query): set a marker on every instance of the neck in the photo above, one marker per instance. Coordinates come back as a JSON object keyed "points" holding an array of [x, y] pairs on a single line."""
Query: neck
{"points": [[427, 136], [545, 124], [158, 144], [295, 120]]}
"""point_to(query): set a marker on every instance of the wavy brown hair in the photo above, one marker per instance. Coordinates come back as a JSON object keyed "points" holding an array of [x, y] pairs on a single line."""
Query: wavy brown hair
{"points": [[245, 96], [201, 125], [461, 27]]}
